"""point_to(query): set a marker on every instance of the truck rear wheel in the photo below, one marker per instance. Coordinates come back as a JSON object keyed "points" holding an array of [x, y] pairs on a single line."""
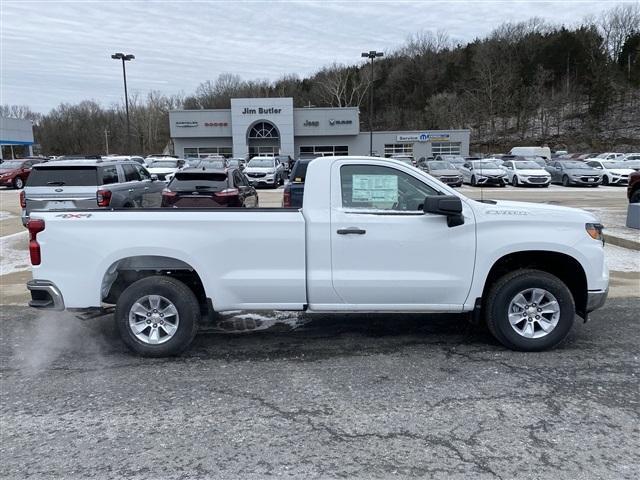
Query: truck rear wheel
{"points": [[529, 310], [157, 316]]}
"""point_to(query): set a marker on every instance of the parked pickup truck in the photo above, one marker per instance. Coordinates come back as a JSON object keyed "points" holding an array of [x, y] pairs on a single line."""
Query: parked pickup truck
{"points": [[374, 235]]}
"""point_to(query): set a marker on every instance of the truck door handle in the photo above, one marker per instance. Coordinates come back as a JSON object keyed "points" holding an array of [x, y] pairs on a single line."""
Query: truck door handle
{"points": [[351, 231]]}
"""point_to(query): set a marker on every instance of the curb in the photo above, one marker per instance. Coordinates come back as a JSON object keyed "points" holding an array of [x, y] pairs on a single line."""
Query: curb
{"points": [[622, 242]]}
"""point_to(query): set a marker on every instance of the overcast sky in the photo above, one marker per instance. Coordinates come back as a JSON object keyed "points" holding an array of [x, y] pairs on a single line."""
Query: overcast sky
{"points": [[59, 51]]}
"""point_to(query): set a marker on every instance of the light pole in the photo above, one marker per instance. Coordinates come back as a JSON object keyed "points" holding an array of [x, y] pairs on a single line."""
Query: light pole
{"points": [[125, 58], [371, 54]]}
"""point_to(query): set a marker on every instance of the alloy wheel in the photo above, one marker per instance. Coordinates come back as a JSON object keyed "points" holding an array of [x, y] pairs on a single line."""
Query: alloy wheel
{"points": [[533, 313], [153, 319]]}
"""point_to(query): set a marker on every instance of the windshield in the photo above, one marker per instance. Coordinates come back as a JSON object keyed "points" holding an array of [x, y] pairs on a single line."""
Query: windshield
{"points": [[576, 165], [261, 162], [485, 164], [233, 163], [616, 165], [299, 172], [526, 165], [192, 181], [63, 176], [440, 165], [208, 164], [164, 164], [10, 165]]}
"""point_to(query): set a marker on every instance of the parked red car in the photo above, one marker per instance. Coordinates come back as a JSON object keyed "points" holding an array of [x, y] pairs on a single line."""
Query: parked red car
{"points": [[209, 188], [633, 190], [14, 173]]}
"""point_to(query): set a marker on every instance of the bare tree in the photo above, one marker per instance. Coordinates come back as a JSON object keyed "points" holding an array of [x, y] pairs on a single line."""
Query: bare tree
{"points": [[617, 24], [341, 86]]}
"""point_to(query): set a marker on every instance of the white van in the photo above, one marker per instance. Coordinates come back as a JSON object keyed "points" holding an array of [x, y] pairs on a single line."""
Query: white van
{"points": [[532, 152]]}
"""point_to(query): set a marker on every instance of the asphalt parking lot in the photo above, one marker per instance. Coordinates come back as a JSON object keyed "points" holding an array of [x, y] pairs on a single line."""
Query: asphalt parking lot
{"points": [[348, 396], [357, 396]]}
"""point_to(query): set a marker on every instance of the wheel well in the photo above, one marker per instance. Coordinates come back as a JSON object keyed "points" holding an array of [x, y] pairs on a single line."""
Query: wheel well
{"points": [[128, 270], [563, 266]]}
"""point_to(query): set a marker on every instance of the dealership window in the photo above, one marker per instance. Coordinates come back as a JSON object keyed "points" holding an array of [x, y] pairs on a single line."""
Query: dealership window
{"points": [[391, 149], [324, 150], [445, 148], [203, 152]]}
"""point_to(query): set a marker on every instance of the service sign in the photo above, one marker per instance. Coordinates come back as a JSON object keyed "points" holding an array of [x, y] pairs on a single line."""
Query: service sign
{"points": [[423, 137]]}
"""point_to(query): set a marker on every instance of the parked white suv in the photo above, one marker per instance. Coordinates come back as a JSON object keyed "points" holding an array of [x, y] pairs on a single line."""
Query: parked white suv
{"points": [[267, 171]]}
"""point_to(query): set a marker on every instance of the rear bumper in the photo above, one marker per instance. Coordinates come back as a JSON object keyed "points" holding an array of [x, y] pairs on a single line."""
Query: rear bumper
{"points": [[596, 299], [45, 295]]}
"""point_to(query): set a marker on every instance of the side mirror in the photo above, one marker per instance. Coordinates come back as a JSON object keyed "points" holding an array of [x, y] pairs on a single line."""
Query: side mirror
{"points": [[447, 205], [154, 177]]}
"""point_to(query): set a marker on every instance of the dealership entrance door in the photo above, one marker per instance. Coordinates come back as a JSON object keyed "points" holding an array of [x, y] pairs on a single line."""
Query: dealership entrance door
{"points": [[263, 138]]}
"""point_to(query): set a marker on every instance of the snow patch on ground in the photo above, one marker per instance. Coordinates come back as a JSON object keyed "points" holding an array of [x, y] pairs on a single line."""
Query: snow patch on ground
{"points": [[253, 322], [622, 259], [14, 256], [5, 215]]}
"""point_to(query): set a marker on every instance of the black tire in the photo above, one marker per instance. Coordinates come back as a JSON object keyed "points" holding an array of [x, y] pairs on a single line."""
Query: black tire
{"points": [[514, 181], [18, 183], [605, 180], [506, 288], [474, 182], [185, 303], [565, 181], [635, 197]]}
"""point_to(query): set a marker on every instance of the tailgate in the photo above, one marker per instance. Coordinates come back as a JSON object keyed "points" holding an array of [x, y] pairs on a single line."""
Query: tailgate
{"points": [[60, 197]]}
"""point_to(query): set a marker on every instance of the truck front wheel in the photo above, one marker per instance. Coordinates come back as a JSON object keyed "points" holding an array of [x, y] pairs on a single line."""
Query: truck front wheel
{"points": [[529, 310], [157, 316]]}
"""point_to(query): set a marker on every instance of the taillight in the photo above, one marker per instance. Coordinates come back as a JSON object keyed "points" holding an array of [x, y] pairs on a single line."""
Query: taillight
{"points": [[35, 226], [286, 197], [23, 200], [227, 192], [168, 197], [104, 198]]}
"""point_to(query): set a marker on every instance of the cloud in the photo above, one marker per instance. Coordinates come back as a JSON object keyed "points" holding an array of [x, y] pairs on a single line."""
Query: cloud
{"points": [[59, 51]]}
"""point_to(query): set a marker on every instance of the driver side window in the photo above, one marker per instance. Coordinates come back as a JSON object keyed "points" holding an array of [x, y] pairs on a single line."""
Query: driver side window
{"points": [[373, 187]]}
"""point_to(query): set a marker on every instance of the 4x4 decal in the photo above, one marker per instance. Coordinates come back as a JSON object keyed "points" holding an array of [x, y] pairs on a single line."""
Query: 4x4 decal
{"points": [[74, 215]]}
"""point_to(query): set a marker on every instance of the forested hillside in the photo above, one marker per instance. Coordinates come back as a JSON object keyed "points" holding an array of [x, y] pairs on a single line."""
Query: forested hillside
{"points": [[525, 83]]}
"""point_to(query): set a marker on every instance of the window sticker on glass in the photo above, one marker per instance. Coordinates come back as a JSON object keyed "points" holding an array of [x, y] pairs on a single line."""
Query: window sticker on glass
{"points": [[375, 188]]}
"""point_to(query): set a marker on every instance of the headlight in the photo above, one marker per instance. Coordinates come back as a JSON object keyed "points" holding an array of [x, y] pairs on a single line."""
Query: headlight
{"points": [[595, 231]]}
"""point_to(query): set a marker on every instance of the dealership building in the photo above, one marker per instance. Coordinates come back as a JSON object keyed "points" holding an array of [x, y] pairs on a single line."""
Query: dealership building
{"points": [[272, 126], [16, 138]]}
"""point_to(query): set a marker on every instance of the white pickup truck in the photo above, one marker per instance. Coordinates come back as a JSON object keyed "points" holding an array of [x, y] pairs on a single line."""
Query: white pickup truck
{"points": [[373, 235]]}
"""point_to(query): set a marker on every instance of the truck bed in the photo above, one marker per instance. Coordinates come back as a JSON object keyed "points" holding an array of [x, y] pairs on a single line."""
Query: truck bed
{"points": [[247, 258]]}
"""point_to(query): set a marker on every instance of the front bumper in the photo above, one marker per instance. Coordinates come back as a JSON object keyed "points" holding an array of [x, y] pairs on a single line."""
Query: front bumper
{"points": [[261, 180], [619, 180], [581, 181], [535, 180], [491, 181], [596, 299], [45, 295]]}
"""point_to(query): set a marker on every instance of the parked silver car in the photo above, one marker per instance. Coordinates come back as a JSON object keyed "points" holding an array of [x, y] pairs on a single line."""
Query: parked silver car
{"points": [[89, 184], [443, 171], [573, 172], [482, 173]]}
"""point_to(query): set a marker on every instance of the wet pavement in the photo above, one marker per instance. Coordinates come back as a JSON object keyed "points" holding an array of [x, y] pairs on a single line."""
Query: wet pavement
{"points": [[347, 396]]}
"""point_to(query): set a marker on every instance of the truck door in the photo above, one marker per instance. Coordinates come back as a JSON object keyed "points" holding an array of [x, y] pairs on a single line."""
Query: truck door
{"points": [[386, 253]]}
